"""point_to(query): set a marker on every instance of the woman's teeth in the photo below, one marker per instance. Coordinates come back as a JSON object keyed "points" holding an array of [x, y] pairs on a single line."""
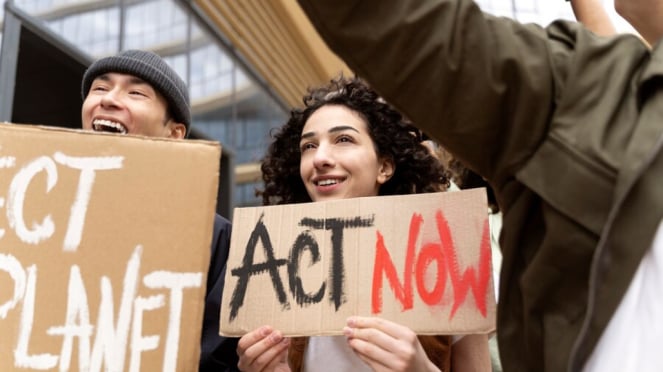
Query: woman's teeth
{"points": [[327, 182]]}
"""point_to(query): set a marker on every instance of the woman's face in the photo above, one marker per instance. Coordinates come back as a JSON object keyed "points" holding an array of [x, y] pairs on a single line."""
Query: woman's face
{"points": [[338, 158]]}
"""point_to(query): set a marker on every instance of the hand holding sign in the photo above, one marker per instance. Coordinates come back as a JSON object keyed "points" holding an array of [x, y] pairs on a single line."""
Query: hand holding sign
{"points": [[264, 349], [386, 345]]}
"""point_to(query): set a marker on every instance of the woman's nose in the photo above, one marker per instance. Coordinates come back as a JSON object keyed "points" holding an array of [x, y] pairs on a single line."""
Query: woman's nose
{"points": [[324, 157]]}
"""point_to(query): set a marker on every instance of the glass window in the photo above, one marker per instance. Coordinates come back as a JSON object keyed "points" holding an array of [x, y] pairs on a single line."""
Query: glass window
{"points": [[95, 32], [154, 24], [228, 105]]}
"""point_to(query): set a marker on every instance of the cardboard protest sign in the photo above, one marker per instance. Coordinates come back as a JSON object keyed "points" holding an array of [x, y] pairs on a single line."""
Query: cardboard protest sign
{"points": [[104, 250], [421, 260]]}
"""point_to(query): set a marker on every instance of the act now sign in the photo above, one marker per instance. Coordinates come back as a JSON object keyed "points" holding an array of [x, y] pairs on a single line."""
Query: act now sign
{"points": [[104, 249], [421, 260]]}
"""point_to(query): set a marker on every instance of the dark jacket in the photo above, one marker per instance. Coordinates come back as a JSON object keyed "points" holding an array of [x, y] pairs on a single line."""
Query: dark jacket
{"points": [[566, 126], [218, 353]]}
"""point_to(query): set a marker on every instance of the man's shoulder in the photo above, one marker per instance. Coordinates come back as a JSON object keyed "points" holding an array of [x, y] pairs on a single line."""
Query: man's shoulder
{"points": [[221, 223]]}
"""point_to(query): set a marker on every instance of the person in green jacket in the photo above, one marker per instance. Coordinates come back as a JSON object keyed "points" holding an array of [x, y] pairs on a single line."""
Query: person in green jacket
{"points": [[567, 127]]}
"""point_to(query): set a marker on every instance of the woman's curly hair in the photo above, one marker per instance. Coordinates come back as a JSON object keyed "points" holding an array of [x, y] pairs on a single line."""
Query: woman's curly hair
{"points": [[415, 171]]}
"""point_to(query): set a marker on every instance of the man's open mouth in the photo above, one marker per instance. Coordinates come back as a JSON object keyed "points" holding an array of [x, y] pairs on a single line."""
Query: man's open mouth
{"points": [[103, 125]]}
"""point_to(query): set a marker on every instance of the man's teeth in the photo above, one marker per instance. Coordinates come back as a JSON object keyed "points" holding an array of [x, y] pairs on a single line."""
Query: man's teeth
{"points": [[327, 182], [103, 125]]}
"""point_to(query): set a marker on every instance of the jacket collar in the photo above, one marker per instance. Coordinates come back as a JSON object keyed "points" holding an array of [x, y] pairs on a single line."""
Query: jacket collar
{"points": [[646, 140], [652, 71]]}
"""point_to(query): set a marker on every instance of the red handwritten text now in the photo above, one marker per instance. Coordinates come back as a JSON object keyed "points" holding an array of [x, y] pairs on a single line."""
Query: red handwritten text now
{"points": [[443, 254]]}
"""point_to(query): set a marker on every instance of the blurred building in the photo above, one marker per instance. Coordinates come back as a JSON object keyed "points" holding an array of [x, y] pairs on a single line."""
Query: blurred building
{"points": [[246, 63]]}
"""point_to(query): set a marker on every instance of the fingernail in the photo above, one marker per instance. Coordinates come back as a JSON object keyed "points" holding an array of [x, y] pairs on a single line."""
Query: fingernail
{"points": [[276, 337], [265, 331], [352, 321], [347, 331]]}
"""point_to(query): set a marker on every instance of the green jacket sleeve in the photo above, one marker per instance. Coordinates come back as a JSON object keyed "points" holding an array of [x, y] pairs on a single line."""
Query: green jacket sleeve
{"points": [[484, 87]]}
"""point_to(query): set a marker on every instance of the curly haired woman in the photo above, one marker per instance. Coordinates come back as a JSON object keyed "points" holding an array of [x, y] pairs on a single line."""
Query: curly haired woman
{"points": [[348, 142]]}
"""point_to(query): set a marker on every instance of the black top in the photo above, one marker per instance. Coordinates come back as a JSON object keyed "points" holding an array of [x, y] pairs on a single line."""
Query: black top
{"points": [[218, 353]]}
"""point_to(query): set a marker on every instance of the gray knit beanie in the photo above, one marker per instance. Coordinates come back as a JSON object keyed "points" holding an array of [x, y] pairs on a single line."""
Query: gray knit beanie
{"points": [[151, 68]]}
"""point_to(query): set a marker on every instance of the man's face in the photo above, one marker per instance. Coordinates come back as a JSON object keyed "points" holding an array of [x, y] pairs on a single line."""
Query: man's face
{"points": [[121, 103]]}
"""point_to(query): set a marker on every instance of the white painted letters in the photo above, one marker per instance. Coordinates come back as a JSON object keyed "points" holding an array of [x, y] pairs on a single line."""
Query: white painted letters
{"points": [[88, 166], [21, 357], [77, 323], [140, 343], [176, 282], [111, 341], [16, 199], [114, 338], [5, 162], [10, 264]]}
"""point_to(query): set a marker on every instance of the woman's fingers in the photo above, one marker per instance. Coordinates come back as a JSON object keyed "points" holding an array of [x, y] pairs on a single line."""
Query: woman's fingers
{"points": [[386, 345], [384, 333], [261, 348], [375, 356]]}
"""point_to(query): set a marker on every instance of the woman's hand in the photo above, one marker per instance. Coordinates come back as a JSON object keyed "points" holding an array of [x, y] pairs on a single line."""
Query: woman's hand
{"points": [[263, 349], [386, 346]]}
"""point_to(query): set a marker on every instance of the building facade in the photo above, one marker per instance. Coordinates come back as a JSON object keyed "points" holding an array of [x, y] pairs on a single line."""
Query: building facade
{"points": [[246, 61]]}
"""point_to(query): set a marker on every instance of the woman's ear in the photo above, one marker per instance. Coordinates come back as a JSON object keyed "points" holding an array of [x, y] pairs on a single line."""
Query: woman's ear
{"points": [[386, 170]]}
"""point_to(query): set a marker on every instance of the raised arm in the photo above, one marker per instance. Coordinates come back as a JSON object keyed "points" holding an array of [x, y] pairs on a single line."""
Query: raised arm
{"points": [[465, 77], [592, 14], [645, 16]]}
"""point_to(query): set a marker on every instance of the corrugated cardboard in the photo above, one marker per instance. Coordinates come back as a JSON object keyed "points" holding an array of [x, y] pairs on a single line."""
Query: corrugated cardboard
{"points": [[420, 260], [104, 249]]}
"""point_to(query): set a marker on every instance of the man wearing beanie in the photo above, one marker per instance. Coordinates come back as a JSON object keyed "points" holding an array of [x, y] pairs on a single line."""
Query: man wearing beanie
{"points": [[137, 92]]}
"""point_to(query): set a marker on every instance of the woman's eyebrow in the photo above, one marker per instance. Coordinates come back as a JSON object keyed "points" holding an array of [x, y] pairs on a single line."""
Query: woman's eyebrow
{"points": [[341, 128], [338, 128]]}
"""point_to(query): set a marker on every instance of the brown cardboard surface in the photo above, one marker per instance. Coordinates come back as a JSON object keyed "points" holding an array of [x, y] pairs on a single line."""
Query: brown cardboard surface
{"points": [[104, 249], [420, 260]]}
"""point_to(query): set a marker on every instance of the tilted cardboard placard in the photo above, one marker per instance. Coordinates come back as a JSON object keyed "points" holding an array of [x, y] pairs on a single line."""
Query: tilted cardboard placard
{"points": [[421, 260], [104, 249]]}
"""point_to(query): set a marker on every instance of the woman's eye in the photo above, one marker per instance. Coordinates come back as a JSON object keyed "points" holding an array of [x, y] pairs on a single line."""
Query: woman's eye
{"points": [[307, 146], [99, 88], [138, 93], [344, 139]]}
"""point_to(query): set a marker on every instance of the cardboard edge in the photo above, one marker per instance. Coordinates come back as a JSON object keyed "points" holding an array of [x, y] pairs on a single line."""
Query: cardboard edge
{"points": [[38, 127]]}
